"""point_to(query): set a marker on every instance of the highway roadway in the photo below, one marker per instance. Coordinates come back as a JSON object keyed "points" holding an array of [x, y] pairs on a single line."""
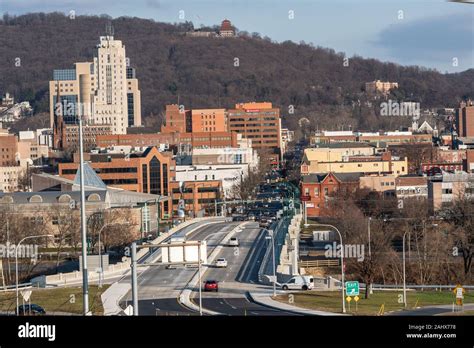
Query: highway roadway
{"points": [[159, 287], [239, 277]]}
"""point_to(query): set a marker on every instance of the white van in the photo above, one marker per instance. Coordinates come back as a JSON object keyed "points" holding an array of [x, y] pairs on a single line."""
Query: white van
{"points": [[299, 283]]}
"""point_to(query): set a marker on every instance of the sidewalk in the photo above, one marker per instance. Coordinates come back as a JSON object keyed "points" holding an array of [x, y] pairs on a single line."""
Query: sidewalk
{"points": [[265, 299]]}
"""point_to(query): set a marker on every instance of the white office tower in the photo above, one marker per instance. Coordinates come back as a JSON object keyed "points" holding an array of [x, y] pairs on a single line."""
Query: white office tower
{"points": [[110, 99], [104, 91]]}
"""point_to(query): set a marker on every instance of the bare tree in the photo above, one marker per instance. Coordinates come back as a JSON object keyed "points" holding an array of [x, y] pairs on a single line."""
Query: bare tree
{"points": [[66, 228]]}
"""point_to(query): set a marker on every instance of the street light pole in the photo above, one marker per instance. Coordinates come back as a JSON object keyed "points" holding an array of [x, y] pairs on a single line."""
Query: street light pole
{"points": [[200, 279], [274, 271], [85, 280], [404, 274], [342, 264], [271, 237], [16, 264], [370, 250]]}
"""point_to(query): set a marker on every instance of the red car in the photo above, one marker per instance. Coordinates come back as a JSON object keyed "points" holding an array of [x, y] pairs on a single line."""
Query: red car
{"points": [[211, 285]]}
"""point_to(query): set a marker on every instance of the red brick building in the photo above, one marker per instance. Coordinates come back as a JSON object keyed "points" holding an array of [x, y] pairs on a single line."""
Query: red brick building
{"points": [[465, 119], [199, 139], [317, 189], [149, 172], [8, 150]]}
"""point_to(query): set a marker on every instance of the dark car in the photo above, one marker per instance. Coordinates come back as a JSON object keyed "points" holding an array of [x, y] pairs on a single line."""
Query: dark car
{"points": [[238, 218], [32, 309], [211, 285]]}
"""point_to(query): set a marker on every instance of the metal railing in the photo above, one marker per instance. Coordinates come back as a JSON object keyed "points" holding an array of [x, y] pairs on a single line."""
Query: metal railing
{"points": [[319, 263]]}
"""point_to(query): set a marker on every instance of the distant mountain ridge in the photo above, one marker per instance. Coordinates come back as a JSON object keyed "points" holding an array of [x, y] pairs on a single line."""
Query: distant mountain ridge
{"points": [[214, 72]]}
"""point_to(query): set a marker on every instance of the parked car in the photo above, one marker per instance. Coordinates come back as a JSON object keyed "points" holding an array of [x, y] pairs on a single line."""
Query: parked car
{"points": [[221, 263], [233, 241], [299, 283], [211, 285], [238, 218], [32, 309]]}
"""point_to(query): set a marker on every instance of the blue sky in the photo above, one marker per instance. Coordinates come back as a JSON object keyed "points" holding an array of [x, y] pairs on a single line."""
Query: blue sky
{"points": [[431, 33]]}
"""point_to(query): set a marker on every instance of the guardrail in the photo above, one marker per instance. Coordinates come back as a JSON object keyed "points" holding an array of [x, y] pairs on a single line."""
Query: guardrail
{"points": [[395, 286], [13, 287], [318, 263]]}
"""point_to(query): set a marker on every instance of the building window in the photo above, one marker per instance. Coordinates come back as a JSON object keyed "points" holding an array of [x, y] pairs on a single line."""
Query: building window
{"points": [[145, 178], [155, 176], [165, 179], [326, 191]]}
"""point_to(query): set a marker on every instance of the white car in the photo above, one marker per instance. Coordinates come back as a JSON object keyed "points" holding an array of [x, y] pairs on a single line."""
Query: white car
{"points": [[299, 283], [233, 242], [221, 263]]}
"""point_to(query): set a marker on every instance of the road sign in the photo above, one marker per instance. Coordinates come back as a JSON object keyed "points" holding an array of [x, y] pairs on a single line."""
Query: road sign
{"points": [[26, 294], [357, 298], [352, 288], [181, 204], [305, 198], [460, 293], [129, 310], [348, 299]]}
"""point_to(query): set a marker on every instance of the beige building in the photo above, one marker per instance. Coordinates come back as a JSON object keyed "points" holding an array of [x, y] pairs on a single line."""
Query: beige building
{"points": [[379, 183], [411, 187], [104, 91], [328, 161], [337, 151], [449, 188], [9, 178]]}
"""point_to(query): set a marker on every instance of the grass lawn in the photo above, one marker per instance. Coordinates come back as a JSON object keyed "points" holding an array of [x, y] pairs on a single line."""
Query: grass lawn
{"points": [[57, 300], [330, 301]]}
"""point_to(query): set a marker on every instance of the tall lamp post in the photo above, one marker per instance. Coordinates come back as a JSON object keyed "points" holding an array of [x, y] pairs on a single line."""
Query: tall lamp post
{"points": [[271, 237], [85, 280], [342, 264], [16, 264]]}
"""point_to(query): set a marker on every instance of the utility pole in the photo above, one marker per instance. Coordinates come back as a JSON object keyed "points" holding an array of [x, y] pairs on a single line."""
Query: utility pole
{"points": [[134, 279], [200, 279], [85, 280]]}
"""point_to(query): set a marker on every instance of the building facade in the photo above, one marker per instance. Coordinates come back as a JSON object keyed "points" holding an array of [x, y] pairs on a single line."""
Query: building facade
{"points": [[148, 172], [259, 122], [317, 190], [197, 198], [465, 119], [104, 91], [199, 139]]}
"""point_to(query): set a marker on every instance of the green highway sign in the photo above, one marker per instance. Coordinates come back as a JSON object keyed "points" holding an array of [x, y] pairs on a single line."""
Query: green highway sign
{"points": [[352, 288]]}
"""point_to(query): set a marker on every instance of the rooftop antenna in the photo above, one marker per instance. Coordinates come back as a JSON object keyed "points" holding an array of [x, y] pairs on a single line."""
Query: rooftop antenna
{"points": [[109, 29]]}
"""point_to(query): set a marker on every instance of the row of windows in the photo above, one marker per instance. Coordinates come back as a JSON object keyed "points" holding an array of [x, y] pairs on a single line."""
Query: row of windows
{"points": [[120, 181]]}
